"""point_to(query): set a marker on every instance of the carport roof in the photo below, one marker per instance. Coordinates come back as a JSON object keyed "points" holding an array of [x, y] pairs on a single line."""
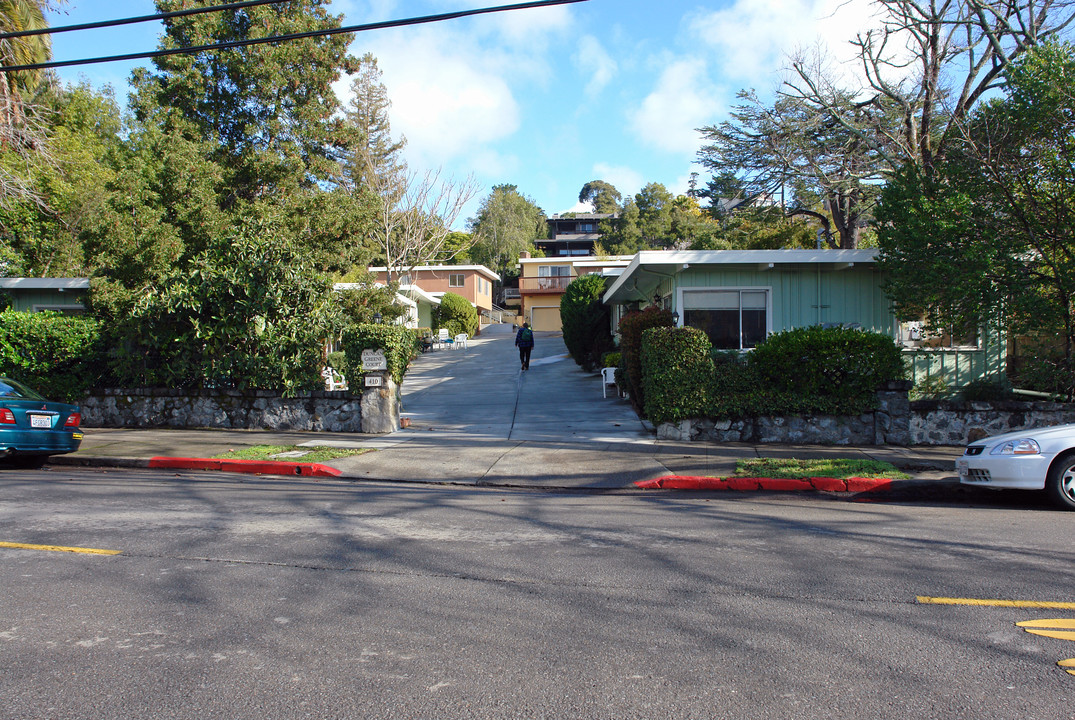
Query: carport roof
{"points": [[650, 266], [22, 283]]}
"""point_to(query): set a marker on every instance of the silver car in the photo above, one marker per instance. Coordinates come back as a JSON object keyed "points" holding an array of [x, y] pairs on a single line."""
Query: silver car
{"points": [[1038, 459]]}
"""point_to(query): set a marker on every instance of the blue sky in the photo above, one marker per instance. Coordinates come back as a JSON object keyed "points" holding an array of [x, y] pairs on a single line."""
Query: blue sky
{"points": [[546, 99]]}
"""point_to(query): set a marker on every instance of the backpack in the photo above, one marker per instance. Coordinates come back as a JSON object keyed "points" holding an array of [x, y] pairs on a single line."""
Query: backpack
{"points": [[526, 336]]}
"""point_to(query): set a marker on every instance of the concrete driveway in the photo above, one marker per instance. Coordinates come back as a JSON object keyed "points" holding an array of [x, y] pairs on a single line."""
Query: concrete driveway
{"points": [[482, 392]]}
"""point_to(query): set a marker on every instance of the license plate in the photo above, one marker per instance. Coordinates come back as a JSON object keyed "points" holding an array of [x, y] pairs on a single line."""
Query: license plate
{"points": [[963, 468], [41, 421]]}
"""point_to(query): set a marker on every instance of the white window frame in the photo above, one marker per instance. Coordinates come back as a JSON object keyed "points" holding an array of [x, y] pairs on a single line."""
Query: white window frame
{"points": [[462, 280], [767, 289]]}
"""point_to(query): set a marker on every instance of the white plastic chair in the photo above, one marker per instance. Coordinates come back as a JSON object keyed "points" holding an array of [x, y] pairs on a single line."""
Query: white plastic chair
{"points": [[460, 341], [443, 338], [333, 380], [608, 377]]}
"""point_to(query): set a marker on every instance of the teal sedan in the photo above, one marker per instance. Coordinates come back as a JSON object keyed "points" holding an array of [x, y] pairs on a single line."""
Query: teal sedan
{"points": [[32, 428]]}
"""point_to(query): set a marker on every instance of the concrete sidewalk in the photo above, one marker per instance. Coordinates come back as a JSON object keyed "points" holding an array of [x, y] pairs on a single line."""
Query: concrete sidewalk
{"points": [[477, 419]]}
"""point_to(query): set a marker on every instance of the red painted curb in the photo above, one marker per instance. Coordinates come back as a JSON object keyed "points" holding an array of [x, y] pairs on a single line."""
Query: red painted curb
{"points": [[254, 467], [691, 482]]}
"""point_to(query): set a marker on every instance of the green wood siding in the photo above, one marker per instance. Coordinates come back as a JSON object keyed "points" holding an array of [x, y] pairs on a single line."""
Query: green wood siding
{"points": [[959, 367], [846, 296], [28, 300]]}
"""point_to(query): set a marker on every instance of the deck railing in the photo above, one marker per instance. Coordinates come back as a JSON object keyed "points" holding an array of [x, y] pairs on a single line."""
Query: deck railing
{"points": [[545, 284]]}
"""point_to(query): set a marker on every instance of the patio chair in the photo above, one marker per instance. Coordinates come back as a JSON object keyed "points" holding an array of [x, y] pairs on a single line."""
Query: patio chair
{"points": [[460, 341], [333, 379], [443, 338], [608, 377]]}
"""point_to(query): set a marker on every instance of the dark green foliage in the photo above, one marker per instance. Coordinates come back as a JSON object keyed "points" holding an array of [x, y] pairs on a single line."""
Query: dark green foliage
{"points": [[838, 367], [400, 345], [55, 354], [585, 320], [804, 371], [986, 238], [677, 372], [249, 313], [632, 325], [1046, 370], [986, 389], [456, 314]]}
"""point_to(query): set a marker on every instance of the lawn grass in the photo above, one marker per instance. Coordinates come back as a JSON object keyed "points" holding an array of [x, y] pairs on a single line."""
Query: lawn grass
{"points": [[272, 452], [840, 468]]}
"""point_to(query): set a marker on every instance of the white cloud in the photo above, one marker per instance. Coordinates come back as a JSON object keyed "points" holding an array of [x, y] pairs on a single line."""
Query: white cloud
{"points": [[448, 99], [752, 39], [454, 86], [624, 179], [529, 28], [593, 61], [683, 100]]}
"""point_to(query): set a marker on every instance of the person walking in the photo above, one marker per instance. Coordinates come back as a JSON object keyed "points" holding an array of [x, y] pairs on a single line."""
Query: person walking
{"points": [[524, 339]]}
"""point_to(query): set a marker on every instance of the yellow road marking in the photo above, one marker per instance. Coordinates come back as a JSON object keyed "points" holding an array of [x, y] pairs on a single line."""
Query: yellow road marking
{"points": [[1068, 623], [1068, 664], [926, 600], [1058, 634], [59, 548]]}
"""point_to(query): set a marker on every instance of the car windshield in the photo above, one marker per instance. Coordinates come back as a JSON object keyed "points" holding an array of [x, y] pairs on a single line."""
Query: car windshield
{"points": [[13, 388]]}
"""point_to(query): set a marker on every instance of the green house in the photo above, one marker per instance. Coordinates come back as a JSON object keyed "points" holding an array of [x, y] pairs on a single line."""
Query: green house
{"points": [[740, 297], [66, 295]]}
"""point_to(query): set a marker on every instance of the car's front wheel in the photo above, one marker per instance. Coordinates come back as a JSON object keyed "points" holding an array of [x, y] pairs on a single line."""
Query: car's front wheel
{"points": [[1061, 482]]}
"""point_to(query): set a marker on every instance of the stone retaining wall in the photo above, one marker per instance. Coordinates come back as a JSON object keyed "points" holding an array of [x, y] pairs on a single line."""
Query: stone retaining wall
{"points": [[887, 425], [895, 422], [945, 422], [256, 409]]}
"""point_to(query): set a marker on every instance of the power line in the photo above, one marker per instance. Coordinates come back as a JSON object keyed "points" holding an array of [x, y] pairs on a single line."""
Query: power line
{"points": [[292, 36], [138, 19]]}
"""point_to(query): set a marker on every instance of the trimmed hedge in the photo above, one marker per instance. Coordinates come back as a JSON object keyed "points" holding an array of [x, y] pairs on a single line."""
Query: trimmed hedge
{"points": [[400, 345], [798, 372], [57, 355], [677, 373], [838, 369]]}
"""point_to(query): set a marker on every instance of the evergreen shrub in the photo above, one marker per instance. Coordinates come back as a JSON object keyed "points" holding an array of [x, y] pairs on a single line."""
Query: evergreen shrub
{"points": [[456, 314], [57, 355], [586, 321]]}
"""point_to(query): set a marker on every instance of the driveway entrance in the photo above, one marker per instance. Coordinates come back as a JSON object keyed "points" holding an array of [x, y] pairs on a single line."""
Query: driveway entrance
{"points": [[482, 392]]}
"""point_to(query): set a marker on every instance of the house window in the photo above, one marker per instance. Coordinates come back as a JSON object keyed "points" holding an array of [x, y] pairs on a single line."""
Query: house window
{"points": [[553, 270], [587, 228], [733, 319], [404, 279], [455, 280]]}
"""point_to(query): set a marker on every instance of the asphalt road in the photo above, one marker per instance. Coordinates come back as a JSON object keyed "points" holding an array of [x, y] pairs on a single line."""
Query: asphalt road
{"points": [[248, 597]]}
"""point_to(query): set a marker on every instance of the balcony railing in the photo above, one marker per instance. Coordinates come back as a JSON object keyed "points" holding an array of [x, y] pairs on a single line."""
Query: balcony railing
{"points": [[544, 284]]}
